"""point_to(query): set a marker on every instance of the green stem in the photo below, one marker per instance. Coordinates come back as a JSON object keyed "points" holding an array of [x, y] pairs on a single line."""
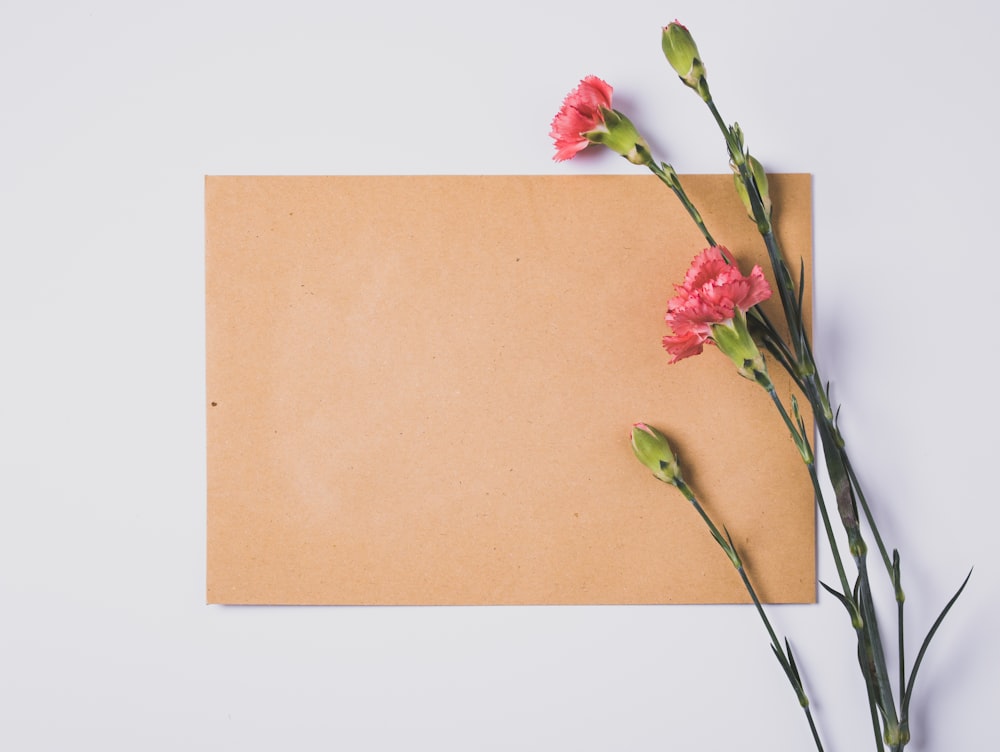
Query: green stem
{"points": [[685, 489], [872, 526], [870, 645], [802, 442], [847, 492], [876, 730], [731, 145], [667, 175], [789, 300], [775, 344], [832, 540], [798, 360], [870, 642], [875, 654], [783, 658], [786, 287], [904, 730]]}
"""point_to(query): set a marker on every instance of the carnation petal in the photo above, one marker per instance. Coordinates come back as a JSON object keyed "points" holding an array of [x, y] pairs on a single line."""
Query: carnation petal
{"points": [[580, 113], [759, 290], [683, 346]]}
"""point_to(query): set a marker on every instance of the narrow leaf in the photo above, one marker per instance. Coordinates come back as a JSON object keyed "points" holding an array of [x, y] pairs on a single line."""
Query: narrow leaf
{"points": [[787, 669], [844, 602], [802, 281], [791, 661], [927, 641]]}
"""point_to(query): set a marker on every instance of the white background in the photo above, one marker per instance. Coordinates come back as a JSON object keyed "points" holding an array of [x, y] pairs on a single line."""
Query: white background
{"points": [[111, 113]]}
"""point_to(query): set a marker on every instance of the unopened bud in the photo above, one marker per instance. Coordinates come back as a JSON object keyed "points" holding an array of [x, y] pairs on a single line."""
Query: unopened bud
{"points": [[653, 451], [682, 54], [756, 170]]}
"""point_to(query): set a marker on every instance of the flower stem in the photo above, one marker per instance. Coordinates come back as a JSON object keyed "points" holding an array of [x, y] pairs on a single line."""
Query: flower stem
{"points": [[805, 450], [832, 540], [784, 658], [900, 645], [870, 650], [666, 174], [796, 357], [893, 575]]}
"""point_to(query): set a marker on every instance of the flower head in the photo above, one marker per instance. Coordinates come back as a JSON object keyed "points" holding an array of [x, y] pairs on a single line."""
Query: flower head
{"points": [[581, 112], [653, 450], [682, 54], [586, 118], [714, 294]]}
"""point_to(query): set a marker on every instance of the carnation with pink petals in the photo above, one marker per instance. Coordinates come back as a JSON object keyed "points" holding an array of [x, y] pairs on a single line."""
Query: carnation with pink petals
{"points": [[581, 112], [586, 118], [713, 292]]}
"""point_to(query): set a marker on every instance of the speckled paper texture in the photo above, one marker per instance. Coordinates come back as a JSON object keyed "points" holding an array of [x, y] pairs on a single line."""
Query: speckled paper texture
{"points": [[419, 391]]}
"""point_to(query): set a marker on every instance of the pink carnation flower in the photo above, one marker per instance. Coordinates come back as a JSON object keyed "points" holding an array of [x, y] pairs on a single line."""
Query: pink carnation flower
{"points": [[580, 113], [713, 289]]}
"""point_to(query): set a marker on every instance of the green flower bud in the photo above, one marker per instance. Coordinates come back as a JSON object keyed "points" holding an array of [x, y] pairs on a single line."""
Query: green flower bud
{"points": [[760, 178], [682, 54], [619, 134], [653, 451]]}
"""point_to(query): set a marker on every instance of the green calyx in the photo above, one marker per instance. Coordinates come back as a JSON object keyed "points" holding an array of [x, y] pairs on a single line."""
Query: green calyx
{"points": [[733, 338], [619, 134]]}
